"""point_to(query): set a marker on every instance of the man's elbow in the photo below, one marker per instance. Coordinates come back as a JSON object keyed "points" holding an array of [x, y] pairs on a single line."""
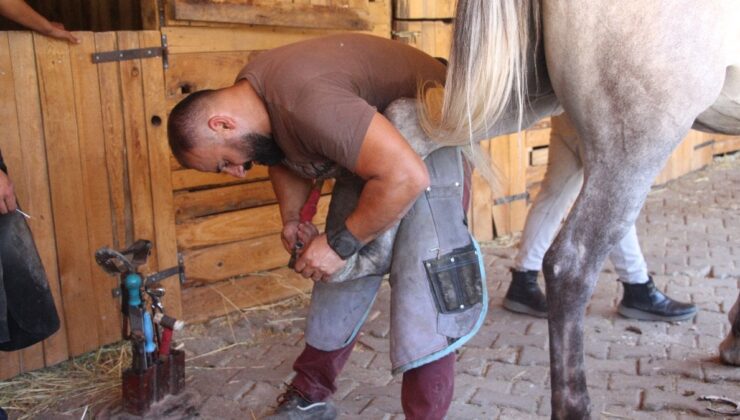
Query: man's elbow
{"points": [[416, 181]]}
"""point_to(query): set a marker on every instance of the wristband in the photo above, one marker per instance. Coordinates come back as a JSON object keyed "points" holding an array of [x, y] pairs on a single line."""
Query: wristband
{"points": [[343, 242]]}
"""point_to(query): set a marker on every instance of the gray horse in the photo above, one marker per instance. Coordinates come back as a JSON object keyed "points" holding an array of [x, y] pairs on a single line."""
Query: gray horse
{"points": [[634, 77]]}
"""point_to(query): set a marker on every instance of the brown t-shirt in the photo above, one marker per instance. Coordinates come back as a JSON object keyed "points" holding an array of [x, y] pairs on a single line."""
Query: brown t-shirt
{"points": [[322, 94]]}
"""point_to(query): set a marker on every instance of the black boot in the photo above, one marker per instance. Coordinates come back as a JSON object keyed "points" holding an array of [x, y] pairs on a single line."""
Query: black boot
{"points": [[524, 295], [645, 302]]}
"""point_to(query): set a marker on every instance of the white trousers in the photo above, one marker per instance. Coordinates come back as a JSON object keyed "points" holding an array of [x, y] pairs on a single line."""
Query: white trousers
{"points": [[559, 189]]}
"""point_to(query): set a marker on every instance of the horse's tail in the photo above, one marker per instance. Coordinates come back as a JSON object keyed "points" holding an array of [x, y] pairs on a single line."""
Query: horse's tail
{"points": [[486, 71]]}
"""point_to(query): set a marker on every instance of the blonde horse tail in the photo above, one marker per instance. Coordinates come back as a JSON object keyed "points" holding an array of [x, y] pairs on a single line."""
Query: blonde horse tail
{"points": [[486, 73]]}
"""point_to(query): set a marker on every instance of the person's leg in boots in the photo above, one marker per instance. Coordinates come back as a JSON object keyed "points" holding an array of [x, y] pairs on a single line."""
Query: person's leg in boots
{"points": [[317, 370], [641, 299], [560, 185], [315, 380], [433, 251], [426, 392], [335, 315]]}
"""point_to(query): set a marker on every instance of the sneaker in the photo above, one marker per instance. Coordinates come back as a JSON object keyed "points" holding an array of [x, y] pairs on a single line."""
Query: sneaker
{"points": [[293, 405], [524, 295], [645, 302]]}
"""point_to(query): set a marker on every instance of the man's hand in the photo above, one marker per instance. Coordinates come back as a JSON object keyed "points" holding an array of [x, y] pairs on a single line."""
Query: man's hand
{"points": [[289, 235], [57, 31], [295, 231], [7, 194], [307, 231], [304, 234], [318, 261]]}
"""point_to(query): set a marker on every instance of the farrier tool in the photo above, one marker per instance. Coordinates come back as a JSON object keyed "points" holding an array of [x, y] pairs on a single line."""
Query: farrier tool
{"points": [[308, 211]]}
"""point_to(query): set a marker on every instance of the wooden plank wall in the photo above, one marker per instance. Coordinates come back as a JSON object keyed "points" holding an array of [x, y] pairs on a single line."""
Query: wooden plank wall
{"points": [[375, 15], [86, 15], [327, 14], [722, 144], [86, 156], [227, 229], [424, 9]]}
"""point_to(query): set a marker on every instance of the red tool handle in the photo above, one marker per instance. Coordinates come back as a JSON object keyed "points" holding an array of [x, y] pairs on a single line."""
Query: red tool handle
{"points": [[164, 345], [308, 211]]}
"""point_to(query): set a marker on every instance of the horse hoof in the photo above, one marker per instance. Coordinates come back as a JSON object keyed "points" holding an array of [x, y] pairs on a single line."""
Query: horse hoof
{"points": [[729, 350]]}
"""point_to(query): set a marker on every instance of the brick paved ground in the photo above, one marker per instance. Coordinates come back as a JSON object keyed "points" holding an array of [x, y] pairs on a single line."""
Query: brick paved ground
{"points": [[691, 237]]}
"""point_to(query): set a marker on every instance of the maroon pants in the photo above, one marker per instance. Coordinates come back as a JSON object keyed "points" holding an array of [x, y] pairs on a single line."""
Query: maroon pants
{"points": [[426, 391]]}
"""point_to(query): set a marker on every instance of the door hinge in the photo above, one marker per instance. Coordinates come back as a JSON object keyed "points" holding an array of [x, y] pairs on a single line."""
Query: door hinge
{"points": [[134, 54]]}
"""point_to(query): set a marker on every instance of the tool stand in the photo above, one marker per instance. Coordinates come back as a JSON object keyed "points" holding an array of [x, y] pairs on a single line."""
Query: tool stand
{"points": [[157, 369]]}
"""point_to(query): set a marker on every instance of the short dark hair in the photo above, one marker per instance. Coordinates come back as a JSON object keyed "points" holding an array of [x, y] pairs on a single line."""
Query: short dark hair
{"points": [[183, 123]]}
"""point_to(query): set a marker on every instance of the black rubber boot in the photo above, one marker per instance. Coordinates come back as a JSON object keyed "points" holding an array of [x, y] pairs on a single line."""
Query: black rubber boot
{"points": [[524, 295], [645, 302]]}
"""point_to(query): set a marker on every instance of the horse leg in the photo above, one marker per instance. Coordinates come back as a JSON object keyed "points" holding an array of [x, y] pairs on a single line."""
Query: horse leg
{"points": [[632, 90], [601, 216], [729, 349], [618, 173]]}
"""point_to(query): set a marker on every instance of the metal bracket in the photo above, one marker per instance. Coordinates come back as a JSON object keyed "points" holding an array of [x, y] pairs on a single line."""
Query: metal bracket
{"points": [[179, 269], [161, 275], [165, 53], [134, 54], [510, 198], [124, 55]]}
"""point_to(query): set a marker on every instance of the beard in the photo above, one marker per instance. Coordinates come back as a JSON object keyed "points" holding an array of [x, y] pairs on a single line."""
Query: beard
{"points": [[263, 150]]}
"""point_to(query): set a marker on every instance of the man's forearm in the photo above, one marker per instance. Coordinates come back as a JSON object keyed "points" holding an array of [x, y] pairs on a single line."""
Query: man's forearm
{"points": [[394, 177], [20, 12], [291, 192], [381, 204]]}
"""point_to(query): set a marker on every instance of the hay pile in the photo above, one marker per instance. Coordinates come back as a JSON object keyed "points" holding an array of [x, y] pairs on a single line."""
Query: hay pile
{"points": [[80, 386]]}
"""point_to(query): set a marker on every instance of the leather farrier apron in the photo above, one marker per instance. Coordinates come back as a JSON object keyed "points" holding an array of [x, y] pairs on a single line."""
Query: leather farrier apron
{"points": [[438, 291], [27, 311]]}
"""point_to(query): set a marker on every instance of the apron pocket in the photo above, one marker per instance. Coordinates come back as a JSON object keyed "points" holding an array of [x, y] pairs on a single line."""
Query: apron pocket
{"points": [[455, 280]]}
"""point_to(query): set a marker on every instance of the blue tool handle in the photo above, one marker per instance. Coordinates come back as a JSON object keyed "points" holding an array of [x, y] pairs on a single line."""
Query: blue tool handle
{"points": [[150, 347], [133, 286]]}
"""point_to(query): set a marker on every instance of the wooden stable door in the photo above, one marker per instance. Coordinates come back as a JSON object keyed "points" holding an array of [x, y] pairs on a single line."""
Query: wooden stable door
{"points": [[86, 147]]}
